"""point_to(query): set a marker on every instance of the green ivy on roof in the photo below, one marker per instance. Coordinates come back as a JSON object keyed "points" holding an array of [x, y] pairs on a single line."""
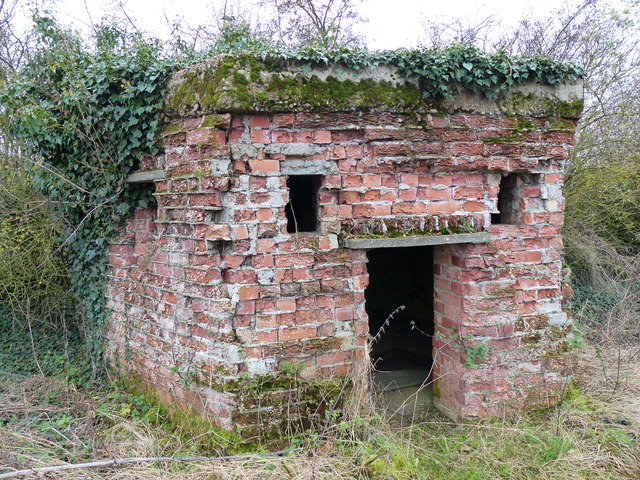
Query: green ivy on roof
{"points": [[441, 70]]}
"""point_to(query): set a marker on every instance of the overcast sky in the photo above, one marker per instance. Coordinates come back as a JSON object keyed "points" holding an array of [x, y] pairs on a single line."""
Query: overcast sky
{"points": [[391, 23]]}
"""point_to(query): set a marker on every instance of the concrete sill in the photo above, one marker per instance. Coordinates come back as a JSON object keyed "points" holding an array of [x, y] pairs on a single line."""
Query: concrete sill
{"points": [[146, 177], [416, 241]]}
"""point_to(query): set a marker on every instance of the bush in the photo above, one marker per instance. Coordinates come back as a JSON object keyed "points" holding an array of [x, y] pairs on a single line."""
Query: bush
{"points": [[33, 279]]}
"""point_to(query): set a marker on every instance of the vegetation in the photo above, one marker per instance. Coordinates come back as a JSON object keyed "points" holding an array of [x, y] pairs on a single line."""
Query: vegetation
{"points": [[327, 24], [86, 117], [592, 435]]}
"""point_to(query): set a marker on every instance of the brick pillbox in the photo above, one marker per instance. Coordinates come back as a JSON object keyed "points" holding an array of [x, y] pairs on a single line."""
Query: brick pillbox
{"points": [[297, 209]]}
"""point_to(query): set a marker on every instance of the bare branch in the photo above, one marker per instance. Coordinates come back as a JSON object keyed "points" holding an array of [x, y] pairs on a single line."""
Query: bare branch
{"points": [[123, 461]]}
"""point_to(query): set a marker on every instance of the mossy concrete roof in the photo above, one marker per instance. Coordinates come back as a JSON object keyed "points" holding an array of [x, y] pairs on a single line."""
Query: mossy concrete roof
{"points": [[251, 84]]}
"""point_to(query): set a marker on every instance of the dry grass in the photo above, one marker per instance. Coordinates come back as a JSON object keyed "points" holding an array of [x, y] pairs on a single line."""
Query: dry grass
{"points": [[594, 435]]}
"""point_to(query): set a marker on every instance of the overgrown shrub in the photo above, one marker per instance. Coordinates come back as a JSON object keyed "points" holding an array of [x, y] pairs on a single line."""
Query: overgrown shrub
{"points": [[88, 114], [603, 206], [33, 276], [39, 330]]}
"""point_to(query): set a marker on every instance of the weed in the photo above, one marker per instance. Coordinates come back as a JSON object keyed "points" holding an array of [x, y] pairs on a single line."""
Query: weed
{"points": [[473, 353]]}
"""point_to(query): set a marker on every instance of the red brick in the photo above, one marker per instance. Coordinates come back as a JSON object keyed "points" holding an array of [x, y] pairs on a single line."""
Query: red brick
{"points": [[264, 166], [337, 152], [344, 314], [440, 208], [215, 232], [334, 358], [354, 151], [235, 136], [468, 193], [352, 181], [433, 194], [302, 275], [281, 137], [322, 136], [283, 120], [296, 333], [409, 208], [474, 207], [264, 214], [206, 136], [386, 173], [468, 149], [269, 336], [527, 257], [202, 276], [260, 136], [286, 305], [240, 276], [460, 135], [370, 181], [246, 308], [384, 134], [259, 121], [248, 292]]}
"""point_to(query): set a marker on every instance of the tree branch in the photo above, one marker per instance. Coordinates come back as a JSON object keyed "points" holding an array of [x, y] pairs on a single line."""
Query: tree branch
{"points": [[122, 461]]}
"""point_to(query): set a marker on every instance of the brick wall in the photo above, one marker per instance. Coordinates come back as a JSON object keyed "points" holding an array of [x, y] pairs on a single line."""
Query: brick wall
{"points": [[210, 288]]}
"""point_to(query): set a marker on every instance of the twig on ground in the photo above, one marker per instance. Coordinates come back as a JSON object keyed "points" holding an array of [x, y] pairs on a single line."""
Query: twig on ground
{"points": [[122, 461]]}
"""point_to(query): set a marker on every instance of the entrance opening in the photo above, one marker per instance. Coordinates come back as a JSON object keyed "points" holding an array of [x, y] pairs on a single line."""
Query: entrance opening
{"points": [[302, 209], [400, 276], [401, 346]]}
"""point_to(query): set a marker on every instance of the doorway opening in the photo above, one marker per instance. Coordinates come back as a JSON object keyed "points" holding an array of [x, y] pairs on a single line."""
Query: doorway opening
{"points": [[400, 277], [401, 349]]}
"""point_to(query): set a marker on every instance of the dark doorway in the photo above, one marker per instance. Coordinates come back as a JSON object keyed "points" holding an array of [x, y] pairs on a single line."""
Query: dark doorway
{"points": [[400, 276]]}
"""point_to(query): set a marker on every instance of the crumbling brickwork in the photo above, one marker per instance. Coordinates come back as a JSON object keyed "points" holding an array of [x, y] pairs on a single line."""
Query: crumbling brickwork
{"points": [[214, 286]]}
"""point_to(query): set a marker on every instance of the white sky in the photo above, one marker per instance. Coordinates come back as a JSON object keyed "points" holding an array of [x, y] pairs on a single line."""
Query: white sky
{"points": [[391, 23]]}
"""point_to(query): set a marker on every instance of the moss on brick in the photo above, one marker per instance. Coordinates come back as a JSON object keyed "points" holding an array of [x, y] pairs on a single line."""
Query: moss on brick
{"points": [[212, 121], [531, 322], [531, 339], [269, 406], [171, 129], [524, 125], [562, 124], [248, 83], [504, 140], [189, 424], [528, 104], [503, 292]]}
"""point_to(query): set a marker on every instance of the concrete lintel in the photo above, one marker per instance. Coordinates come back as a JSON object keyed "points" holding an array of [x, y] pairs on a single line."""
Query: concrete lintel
{"points": [[416, 241], [309, 167], [146, 177], [294, 149]]}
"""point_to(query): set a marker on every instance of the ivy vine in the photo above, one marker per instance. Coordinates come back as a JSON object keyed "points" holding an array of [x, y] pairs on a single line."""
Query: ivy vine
{"points": [[88, 115], [442, 72]]}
